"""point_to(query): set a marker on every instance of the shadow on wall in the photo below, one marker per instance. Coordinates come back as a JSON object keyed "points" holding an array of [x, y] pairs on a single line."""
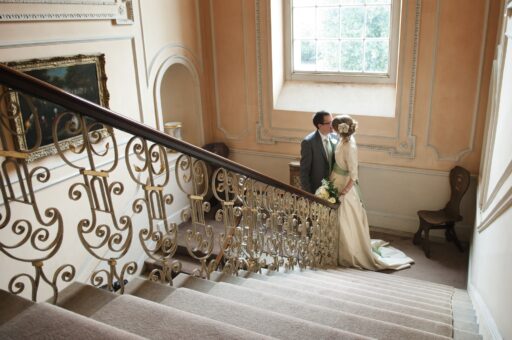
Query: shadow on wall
{"points": [[180, 103]]}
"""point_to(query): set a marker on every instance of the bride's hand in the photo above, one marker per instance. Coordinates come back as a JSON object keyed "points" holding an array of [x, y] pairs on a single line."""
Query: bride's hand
{"points": [[341, 199]]}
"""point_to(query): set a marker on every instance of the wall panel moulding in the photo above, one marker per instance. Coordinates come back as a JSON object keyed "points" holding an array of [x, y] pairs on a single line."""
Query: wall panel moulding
{"points": [[121, 11]]}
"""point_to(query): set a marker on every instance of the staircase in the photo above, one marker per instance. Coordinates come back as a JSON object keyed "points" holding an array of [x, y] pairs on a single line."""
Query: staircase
{"points": [[324, 304], [120, 211]]}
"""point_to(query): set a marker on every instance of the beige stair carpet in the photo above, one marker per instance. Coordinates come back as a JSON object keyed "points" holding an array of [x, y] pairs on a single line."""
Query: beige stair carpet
{"points": [[46, 321], [344, 301], [257, 320], [325, 316], [156, 321], [369, 290], [330, 290]]}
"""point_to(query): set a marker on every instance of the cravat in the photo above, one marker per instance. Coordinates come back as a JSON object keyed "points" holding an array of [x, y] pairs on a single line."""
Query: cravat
{"points": [[328, 150]]}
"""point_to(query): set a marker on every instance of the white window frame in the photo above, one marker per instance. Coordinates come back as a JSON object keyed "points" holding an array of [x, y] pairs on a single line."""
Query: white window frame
{"points": [[342, 77]]}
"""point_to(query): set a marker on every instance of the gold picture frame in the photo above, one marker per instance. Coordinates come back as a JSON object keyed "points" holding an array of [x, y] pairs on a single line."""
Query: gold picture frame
{"points": [[82, 75]]}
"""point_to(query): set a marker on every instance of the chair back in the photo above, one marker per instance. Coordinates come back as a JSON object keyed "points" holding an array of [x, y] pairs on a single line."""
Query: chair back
{"points": [[459, 184]]}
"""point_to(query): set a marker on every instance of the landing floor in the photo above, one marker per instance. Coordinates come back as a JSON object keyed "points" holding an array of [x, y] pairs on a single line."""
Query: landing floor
{"points": [[447, 265]]}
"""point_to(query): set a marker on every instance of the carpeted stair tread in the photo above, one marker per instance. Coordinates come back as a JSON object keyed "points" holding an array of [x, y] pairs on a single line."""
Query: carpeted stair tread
{"points": [[390, 278], [322, 315], [45, 321], [11, 306], [199, 284], [412, 289], [156, 321], [148, 290], [84, 299], [359, 288], [257, 320], [403, 316], [382, 275], [369, 297]]}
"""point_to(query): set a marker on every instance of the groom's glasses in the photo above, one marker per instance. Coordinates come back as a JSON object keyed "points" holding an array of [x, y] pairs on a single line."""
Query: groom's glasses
{"points": [[326, 123]]}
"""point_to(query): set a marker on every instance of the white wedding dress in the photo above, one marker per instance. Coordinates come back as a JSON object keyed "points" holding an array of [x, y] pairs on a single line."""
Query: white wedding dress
{"points": [[355, 247]]}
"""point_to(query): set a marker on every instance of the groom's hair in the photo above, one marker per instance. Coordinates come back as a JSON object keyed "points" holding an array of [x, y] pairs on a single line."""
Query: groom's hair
{"points": [[318, 118]]}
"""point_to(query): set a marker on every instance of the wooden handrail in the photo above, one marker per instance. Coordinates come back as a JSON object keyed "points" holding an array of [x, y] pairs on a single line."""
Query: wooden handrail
{"points": [[38, 88]]}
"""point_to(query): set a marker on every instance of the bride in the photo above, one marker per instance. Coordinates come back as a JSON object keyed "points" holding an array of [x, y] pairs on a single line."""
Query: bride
{"points": [[355, 247]]}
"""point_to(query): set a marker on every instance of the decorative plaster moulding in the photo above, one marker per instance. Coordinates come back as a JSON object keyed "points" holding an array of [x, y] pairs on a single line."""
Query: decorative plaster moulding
{"points": [[465, 150], [121, 11], [403, 144]]}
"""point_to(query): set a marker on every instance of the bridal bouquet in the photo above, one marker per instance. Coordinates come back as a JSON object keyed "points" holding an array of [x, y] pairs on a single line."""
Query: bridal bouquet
{"points": [[327, 191]]}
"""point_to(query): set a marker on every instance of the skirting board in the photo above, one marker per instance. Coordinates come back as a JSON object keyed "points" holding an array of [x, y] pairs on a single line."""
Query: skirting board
{"points": [[433, 237], [488, 327], [407, 225]]}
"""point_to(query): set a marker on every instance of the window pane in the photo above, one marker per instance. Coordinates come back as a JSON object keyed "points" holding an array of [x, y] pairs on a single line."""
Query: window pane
{"points": [[352, 22], [352, 2], [351, 56], [297, 3], [341, 36], [377, 22], [327, 2], [328, 22], [327, 55], [370, 2], [376, 56], [304, 55], [303, 26]]}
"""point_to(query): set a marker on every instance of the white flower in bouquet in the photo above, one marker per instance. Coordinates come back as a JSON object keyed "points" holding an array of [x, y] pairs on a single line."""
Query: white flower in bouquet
{"points": [[332, 200], [322, 193]]}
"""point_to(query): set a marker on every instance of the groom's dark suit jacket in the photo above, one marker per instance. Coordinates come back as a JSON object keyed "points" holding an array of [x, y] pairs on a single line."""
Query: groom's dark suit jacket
{"points": [[313, 161]]}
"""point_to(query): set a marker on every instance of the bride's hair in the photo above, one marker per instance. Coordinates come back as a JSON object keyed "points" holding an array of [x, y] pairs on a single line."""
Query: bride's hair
{"points": [[345, 126]]}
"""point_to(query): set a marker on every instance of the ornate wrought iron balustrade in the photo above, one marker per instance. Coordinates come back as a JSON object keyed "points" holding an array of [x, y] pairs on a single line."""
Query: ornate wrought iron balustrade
{"points": [[115, 191]]}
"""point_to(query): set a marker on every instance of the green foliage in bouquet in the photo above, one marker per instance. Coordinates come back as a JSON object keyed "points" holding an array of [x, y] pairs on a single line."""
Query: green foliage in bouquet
{"points": [[328, 191]]}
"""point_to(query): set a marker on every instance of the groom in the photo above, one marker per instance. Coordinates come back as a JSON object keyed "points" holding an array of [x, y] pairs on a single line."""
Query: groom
{"points": [[317, 153]]}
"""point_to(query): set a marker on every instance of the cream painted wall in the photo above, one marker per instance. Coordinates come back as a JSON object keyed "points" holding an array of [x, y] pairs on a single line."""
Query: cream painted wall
{"points": [[489, 275], [165, 34]]}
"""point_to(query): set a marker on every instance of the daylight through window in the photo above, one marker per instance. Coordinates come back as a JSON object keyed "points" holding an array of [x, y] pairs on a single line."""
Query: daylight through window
{"points": [[352, 37]]}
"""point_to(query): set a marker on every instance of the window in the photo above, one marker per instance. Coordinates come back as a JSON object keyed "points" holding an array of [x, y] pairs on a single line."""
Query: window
{"points": [[342, 40]]}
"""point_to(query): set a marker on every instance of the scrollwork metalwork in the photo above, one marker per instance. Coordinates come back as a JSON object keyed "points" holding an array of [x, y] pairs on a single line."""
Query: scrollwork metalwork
{"points": [[36, 237], [103, 234], [150, 169], [192, 179], [263, 226]]}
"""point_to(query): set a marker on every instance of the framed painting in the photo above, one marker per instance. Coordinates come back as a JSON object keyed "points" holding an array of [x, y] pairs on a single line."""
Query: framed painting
{"points": [[81, 75]]}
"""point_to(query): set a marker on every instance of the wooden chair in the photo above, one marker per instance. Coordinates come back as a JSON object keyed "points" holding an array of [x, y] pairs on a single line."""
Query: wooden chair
{"points": [[446, 217]]}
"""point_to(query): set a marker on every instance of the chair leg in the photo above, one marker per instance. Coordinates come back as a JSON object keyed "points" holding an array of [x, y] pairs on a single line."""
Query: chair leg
{"points": [[417, 237], [426, 242], [448, 235], [453, 237]]}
